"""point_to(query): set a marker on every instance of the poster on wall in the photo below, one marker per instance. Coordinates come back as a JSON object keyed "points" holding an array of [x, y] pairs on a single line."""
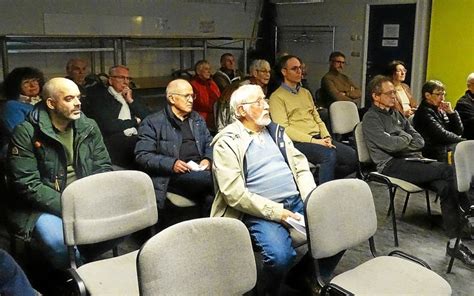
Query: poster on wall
{"points": [[390, 42]]}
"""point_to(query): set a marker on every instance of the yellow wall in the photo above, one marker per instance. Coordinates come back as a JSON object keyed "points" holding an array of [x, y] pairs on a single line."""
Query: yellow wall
{"points": [[451, 45]]}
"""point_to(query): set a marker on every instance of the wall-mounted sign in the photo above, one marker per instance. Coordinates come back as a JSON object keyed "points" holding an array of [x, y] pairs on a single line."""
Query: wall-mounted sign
{"points": [[390, 42], [391, 31]]}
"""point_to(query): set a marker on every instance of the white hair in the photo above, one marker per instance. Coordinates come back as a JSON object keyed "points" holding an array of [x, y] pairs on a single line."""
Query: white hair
{"points": [[470, 78], [258, 65], [245, 93]]}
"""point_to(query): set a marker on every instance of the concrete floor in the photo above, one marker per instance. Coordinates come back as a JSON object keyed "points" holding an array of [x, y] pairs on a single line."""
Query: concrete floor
{"points": [[418, 235]]}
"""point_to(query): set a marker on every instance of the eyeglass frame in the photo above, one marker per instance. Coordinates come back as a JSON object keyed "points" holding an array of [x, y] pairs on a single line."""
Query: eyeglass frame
{"points": [[388, 93], [263, 100], [443, 93], [186, 96]]}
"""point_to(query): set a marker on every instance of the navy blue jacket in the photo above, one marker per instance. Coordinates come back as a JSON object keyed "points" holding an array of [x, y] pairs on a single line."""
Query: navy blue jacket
{"points": [[159, 142]]}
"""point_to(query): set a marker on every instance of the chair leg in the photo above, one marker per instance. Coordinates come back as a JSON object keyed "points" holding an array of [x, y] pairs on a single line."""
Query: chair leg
{"points": [[406, 203], [390, 192], [456, 246], [394, 219], [428, 206]]}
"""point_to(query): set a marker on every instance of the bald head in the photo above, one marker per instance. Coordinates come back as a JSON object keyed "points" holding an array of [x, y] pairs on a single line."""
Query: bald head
{"points": [[55, 87], [180, 96], [63, 100], [470, 82]]}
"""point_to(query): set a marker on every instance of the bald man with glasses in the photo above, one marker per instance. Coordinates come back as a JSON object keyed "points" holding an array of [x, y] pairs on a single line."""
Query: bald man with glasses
{"points": [[335, 86], [174, 149]]}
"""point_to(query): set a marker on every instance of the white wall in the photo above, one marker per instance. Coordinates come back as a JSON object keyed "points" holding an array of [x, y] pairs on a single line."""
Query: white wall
{"points": [[349, 17], [124, 17]]}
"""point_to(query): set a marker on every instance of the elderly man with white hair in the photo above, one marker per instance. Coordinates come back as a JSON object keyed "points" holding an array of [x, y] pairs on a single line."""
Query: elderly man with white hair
{"points": [[262, 179], [465, 108]]}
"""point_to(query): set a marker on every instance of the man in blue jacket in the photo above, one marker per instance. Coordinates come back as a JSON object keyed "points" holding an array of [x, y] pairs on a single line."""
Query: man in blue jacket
{"points": [[174, 148]]}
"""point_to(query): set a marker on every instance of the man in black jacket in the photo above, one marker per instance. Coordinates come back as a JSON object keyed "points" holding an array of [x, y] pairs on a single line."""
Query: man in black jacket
{"points": [[465, 108], [118, 114]]}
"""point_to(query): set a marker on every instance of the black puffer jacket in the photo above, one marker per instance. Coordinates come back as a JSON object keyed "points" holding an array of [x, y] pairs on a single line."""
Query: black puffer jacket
{"points": [[440, 130]]}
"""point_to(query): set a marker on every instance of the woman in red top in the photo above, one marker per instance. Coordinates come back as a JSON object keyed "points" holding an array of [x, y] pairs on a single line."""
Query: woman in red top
{"points": [[206, 91]]}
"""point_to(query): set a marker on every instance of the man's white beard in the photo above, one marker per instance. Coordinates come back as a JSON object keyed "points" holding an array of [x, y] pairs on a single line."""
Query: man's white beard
{"points": [[262, 120]]}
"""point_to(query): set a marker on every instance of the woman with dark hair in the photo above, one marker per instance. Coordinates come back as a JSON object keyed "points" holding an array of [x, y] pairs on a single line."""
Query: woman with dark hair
{"points": [[437, 122], [405, 102], [22, 88]]}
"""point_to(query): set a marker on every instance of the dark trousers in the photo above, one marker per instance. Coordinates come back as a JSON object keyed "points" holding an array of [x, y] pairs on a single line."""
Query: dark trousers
{"points": [[195, 185], [121, 150], [437, 176], [334, 162]]}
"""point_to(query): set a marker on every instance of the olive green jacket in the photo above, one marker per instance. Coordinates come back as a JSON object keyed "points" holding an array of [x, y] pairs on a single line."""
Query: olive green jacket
{"points": [[37, 167]]}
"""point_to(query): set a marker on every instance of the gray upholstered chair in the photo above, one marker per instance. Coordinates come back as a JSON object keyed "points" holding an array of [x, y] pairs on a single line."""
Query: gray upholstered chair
{"points": [[464, 166], [367, 172], [344, 117], [206, 256], [340, 214], [102, 207]]}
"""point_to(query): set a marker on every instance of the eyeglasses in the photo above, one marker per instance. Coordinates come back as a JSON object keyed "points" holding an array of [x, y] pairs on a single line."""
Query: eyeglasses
{"points": [[295, 68], [189, 97], [389, 93], [30, 81], [260, 102], [441, 94], [264, 71], [122, 78]]}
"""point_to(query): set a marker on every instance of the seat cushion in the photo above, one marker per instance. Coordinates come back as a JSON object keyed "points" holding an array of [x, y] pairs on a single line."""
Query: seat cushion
{"points": [[112, 276], [179, 200], [387, 275]]}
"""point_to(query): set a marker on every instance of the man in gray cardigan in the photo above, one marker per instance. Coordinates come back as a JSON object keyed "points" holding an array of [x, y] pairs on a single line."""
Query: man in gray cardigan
{"points": [[391, 139]]}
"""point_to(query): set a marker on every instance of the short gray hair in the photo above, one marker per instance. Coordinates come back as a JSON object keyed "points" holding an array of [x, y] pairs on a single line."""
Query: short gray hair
{"points": [[470, 78], [257, 65], [245, 93]]}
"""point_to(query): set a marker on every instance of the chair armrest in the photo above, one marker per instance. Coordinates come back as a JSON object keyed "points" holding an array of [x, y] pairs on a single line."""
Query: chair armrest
{"points": [[378, 177], [76, 283], [333, 289], [409, 257]]}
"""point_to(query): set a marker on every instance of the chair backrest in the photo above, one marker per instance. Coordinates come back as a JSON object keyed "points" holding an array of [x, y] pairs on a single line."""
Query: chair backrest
{"points": [[344, 117], [464, 164], [207, 256], [340, 214], [361, 146], [106, 206]]}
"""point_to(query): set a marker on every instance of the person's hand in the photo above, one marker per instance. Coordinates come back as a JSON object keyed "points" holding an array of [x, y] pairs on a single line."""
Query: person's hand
{"points": [[285, 214], [180, 167], [206, 164], [409, 112], [326, 142], [138, 120], [127, 94], [446, 107]]}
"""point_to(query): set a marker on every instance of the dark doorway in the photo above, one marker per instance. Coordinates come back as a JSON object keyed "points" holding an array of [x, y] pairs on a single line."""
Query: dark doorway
{"points": [[391, 36]]}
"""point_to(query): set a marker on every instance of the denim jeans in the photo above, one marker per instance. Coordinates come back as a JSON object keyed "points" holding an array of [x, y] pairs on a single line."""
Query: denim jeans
{"points": [[338, 162], [48, 242], [273, 241], [13, 280]]}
